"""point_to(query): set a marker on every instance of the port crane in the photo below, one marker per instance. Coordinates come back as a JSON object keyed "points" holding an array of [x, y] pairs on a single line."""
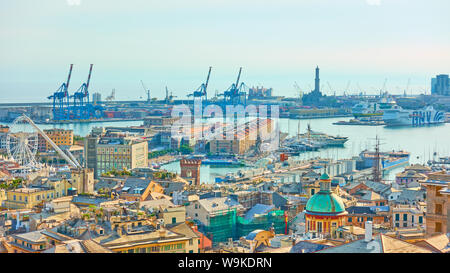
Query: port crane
{"points": [[61, 99], [201, 92], [112, 96], [169, 98], [296, 86], [236, 94], [347, 88], [149, 99], [81, 109]]}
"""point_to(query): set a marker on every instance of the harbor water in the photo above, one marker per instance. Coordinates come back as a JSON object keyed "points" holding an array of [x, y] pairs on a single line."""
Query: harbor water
{"points": [[422, 142]]}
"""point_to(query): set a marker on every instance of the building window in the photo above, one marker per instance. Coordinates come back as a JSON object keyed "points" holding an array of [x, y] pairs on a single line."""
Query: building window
{"points": [[438, 227], [405, 224], [397, 225], [397, 217], [174, 220], [349, 219], [420, 219], [438, 209], [405, 217]]}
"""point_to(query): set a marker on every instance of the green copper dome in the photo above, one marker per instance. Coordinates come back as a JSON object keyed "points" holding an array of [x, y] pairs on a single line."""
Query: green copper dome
{"points": [[324, 176], [325, 202]]}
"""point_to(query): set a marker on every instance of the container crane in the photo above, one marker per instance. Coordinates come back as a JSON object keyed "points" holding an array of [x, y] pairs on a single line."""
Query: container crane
{"points": [[201, 92], [81, 99], [235, 94], [61, 99]]}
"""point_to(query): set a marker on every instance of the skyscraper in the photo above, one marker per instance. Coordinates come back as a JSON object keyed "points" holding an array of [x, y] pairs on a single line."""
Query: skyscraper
{"points": [[440, 85]]}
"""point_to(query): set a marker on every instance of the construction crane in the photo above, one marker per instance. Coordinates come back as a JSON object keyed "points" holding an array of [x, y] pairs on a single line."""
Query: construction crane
{"points": [[407, 87], [383, 89], [81, 99], [149, 99], [201, 92], [61, 99]]}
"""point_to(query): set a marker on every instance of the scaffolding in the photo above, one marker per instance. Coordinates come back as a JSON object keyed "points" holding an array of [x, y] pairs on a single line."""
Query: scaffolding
{"points": [[222, 226], [273, 219], [225, 224]]}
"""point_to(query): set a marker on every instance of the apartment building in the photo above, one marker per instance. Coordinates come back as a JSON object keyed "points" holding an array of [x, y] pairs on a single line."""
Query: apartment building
{"points": [[60, 137], [438, 203], [405, 216], [105, 154]]}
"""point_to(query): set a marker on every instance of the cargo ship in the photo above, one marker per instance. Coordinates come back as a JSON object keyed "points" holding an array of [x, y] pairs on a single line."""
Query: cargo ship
{"points": [[388, 160]]}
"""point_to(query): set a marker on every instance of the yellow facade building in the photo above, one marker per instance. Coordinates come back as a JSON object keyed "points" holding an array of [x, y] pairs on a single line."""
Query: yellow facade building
{"points": [[60, 137]]}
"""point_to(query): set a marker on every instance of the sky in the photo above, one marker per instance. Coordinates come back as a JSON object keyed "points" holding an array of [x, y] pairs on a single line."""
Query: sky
{"points": [[173, 42]]}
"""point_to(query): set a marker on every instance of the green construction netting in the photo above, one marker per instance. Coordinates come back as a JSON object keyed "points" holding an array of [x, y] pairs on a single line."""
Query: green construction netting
{"points": [[226, 224]]}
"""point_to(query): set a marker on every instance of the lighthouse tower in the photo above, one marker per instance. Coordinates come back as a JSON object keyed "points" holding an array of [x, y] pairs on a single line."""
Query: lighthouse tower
{"points": [[317, 81]]}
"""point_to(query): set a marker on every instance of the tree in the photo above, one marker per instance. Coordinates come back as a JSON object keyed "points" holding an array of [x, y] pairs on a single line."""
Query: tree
{"points": [[185, 149]]}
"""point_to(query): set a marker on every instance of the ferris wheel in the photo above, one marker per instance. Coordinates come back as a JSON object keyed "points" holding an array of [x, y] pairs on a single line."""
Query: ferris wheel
{"points": [[22, 142]]}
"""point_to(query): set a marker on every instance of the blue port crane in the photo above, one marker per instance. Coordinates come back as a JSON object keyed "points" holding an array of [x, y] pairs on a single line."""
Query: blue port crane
{"points": [[61, 99], [201, 92], [236, 94], [81, 107]]}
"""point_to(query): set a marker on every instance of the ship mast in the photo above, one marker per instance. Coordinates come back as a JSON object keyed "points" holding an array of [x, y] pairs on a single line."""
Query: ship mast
{"points": [[376, 163]]}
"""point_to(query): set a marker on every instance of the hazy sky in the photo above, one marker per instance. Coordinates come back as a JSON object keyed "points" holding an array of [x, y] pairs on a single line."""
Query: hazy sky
{"points": [[173, 42]]}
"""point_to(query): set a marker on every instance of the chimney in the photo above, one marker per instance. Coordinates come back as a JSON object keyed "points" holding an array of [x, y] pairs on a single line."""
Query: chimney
{"points": [[368, 235], [162, 233]]}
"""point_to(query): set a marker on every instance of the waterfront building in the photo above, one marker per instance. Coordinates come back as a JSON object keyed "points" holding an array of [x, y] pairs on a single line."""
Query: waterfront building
{"points": [[325, 211], [60, 137], [245, 137], [438, 203], [150, 121], [440, 85], [96, 98]]}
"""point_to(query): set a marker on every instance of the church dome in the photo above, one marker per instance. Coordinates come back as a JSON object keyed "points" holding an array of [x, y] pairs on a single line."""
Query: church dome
{"points": [[325, 201]]}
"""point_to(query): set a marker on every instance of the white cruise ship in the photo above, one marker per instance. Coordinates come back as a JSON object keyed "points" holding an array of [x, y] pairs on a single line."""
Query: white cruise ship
{"points": [[397, 116]]}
